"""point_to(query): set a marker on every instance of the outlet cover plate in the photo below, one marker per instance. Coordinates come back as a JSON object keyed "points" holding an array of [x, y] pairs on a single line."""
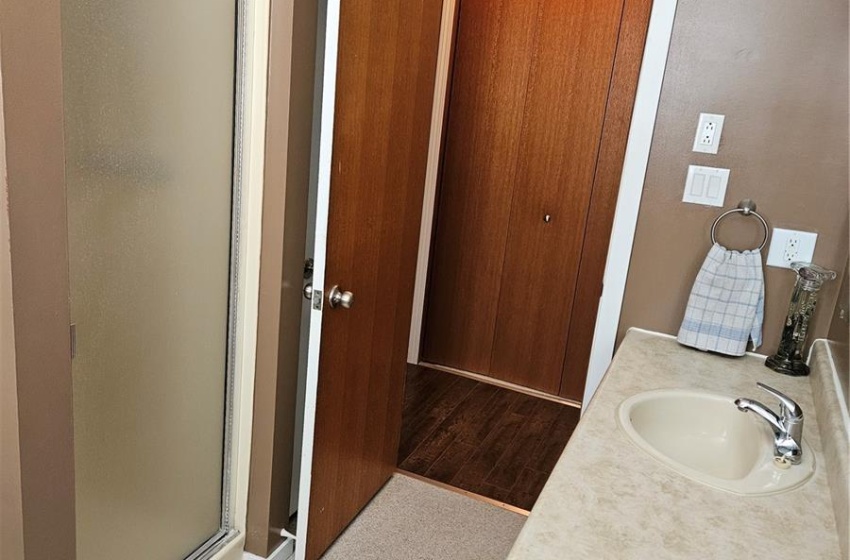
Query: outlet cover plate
{"points": [[709, 129], [788, 245]]}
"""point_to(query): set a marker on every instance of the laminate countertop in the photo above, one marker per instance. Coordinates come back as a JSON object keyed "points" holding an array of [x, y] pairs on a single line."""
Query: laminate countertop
{"points": [[609, 499]]}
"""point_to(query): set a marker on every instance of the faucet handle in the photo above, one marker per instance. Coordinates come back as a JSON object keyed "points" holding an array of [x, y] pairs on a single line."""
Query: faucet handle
{"points": [[789, 408]]}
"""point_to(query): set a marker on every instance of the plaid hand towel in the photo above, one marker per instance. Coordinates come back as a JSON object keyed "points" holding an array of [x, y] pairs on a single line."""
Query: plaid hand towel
{"points": [[726, 307]]}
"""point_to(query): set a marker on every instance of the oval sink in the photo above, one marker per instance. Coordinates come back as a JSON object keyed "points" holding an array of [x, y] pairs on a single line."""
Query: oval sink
{"points": [[704, 437]]}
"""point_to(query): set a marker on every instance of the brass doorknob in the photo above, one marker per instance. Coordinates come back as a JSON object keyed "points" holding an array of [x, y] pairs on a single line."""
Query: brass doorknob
{"points": [[340, 298]]}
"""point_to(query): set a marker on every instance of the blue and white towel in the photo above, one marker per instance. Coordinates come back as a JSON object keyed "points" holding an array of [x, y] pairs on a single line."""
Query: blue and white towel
{"points": [[726, 307]]}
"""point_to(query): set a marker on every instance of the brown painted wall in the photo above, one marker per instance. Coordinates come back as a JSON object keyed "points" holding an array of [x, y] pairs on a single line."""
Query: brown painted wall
{"points": [[11, 520], [778, 71], [299, 146], [30, 54]]}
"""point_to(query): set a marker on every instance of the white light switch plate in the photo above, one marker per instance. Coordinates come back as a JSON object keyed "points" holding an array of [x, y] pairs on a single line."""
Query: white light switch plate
{"points": [[788, 245], [706, 185], [709, 129]]}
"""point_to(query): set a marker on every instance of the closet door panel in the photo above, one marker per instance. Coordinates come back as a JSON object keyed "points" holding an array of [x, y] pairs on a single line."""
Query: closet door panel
{"points": [[562, 125], [606, 183], [492, 60]]}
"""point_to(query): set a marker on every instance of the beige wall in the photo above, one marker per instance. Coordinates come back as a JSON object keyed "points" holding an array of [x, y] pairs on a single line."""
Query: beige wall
{"points": [[778, 70], [30, 61], [11, 522]]}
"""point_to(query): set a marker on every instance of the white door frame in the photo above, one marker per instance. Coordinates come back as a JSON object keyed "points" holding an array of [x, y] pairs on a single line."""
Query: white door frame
{"points": [[438, 111], [645, 111], [628, 200], [327, 42], [257, 23]]}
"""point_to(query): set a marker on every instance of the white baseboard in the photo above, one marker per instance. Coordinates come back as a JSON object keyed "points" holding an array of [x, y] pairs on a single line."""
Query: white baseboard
{"points": [[285, 551]]}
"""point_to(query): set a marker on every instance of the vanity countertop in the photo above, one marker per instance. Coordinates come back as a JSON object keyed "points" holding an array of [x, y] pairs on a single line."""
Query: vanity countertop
{"points": [[608, 499]]}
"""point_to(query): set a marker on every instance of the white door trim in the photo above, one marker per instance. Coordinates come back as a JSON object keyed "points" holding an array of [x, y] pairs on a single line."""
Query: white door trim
{"points": [[628, 200], [438, 110], [645, 111], [327, 43], [285, 551]]}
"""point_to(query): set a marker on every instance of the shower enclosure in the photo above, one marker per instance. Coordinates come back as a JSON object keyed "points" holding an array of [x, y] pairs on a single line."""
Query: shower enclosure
{"points": [[150, 93]]}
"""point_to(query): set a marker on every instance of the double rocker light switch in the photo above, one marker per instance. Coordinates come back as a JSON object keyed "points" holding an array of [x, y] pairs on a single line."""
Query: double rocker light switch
{"points": [[706, 185]]}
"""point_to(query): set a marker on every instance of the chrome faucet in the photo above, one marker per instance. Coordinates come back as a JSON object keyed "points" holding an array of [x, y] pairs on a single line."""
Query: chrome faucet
{"points": [[787, 425]]}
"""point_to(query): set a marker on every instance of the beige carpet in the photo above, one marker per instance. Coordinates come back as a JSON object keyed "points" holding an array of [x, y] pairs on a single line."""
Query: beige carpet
{"points": [[413, 520]]}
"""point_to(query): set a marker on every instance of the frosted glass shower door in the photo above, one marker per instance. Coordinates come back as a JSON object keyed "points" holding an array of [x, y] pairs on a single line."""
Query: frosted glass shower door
{"points": [[149, 129]]}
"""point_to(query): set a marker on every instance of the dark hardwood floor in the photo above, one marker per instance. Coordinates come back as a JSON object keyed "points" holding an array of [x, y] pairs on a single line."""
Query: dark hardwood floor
{"points": [[484, 439]]}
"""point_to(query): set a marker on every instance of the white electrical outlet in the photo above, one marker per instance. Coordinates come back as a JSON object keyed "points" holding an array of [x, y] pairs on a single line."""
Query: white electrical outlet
{"points": [[792, 248], [709, 129], [788, 245], [706, 135]]}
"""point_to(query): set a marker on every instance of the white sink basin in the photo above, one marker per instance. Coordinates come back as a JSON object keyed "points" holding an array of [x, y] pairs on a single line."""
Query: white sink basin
{"points": [[704, 437]]}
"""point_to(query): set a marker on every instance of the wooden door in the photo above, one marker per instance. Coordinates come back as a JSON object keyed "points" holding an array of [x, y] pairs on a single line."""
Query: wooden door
{"points": [[384, 92], [530, 87]]}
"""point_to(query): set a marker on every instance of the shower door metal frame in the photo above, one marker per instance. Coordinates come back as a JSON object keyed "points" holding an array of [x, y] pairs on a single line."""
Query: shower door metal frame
{"points": [[227, 530], [230, 529]]}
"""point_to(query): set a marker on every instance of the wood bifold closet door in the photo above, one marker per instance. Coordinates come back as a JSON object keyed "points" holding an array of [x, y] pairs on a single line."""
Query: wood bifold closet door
{"points": [[529, 90]]}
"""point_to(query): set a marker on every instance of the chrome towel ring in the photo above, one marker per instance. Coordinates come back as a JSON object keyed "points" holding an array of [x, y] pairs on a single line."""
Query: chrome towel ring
{"points": [[748, 208]]}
